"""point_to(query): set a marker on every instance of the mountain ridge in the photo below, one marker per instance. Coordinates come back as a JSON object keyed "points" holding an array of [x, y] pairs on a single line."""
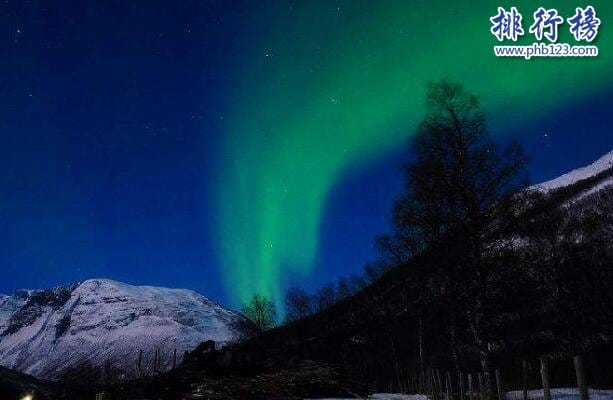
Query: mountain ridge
{"points": [[577, 175], [102, 320]]}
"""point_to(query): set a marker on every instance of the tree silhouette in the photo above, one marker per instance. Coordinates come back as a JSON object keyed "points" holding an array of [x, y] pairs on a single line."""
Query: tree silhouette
{"points": [[261, 311], [298, 304], [458, 189]]}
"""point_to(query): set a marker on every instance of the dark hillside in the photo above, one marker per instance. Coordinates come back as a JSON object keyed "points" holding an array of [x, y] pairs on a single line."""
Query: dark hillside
{"points": [[369, 341], [14, 385]]}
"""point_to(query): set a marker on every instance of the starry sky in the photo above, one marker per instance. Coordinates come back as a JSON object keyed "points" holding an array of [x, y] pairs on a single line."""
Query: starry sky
{"points": [[242, 147]]}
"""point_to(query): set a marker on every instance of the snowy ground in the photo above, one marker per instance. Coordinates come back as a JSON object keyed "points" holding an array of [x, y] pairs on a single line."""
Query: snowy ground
{"points": [[556, 394], [390, 396], [561, 394]]}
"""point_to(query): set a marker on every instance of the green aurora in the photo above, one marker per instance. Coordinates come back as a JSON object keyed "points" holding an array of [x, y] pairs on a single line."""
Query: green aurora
{"points": [[322, 86]]}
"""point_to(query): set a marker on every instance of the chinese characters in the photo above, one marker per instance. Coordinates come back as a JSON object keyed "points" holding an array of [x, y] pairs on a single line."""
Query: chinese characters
{"points": [[546, 24], [584, 24], [508, 24]]}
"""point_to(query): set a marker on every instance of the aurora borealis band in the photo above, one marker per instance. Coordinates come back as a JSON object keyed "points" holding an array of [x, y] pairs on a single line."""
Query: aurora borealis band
{"points": [[322, 86], [244, 147]]}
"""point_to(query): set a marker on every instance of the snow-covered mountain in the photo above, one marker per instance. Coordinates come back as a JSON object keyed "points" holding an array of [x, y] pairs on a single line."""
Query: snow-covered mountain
{"points": [[600, 166], [100, 320]]}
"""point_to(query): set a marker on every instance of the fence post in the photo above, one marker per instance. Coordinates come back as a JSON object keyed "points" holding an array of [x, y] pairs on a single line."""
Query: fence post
{"points": [[434, 384], [499, 385], [428, 382], [581, 382], [524, 381], [545, 378], [461, 379], [448, 385], [481, 396], [174, 359], [471, 394], [422, 383]]}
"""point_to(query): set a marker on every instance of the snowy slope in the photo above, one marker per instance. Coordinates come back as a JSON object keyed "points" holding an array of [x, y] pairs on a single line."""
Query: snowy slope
{"points": [[603, 163], [42, 332], [10, 304]]}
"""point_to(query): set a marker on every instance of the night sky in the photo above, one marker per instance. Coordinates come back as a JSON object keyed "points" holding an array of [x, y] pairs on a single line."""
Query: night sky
{"points": [[241, 147]]}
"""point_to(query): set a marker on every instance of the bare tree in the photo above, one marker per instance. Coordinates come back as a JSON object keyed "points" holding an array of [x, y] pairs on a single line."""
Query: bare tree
{"points": [[298, 304], [261, 312]]}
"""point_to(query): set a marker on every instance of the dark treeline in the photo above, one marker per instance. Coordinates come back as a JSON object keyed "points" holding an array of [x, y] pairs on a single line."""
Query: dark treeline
{"points": [[300, 304], [503, 271]]}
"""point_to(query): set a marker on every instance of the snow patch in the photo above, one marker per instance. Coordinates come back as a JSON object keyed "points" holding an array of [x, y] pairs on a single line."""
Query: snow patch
{"points": [[556, 394], [389, 396], [561, 394]]}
